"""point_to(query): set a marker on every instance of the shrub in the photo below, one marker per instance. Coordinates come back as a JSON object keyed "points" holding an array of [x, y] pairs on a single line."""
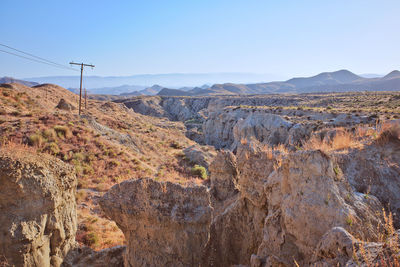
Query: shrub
{"points": [[91, 239], [389, 132], [199, 171], [49, 134], [36, 140], [114, 163], [341, 140], [79, 157], [63, 131], [176, 145], [87, 169], [53, 148]]}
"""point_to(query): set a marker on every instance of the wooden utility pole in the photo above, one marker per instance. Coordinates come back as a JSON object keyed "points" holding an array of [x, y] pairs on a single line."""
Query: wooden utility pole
{"points": [[80, 88], [85, 100]]}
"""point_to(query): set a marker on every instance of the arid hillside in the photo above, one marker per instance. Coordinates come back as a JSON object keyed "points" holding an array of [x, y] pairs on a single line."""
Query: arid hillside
{"points": [[106, 145]]}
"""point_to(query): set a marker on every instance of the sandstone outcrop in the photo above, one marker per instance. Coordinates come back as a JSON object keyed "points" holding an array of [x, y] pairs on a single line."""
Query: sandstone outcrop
{"points": [[37, 209], [164, 224]]}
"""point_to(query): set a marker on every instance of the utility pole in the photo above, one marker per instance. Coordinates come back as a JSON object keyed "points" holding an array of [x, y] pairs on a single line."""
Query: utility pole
{"points": [[80, 88], [85, 100]]}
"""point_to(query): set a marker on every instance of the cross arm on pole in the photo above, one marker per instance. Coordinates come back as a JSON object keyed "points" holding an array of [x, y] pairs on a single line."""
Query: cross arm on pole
{"points": [[82, 64]]}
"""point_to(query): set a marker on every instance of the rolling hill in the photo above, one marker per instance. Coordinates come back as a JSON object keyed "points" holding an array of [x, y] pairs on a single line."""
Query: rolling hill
{"points": [[12, 80]]}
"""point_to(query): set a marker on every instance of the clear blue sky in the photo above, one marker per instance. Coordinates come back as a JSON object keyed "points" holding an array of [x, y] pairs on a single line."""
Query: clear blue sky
{"points": [[289, 38]]}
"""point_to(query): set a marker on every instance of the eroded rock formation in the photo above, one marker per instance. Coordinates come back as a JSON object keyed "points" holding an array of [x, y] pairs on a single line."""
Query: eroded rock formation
{"points": [[285, 205], [37, 209], [270, 208], [164, 224]]}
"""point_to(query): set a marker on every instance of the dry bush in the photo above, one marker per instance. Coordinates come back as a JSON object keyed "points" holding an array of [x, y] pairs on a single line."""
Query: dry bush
{"points": [[342, 140], [388, 132], [271, 151], [389, 255]]}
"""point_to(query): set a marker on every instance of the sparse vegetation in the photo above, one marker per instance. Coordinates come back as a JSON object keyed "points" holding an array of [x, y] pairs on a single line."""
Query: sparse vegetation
{"points": [[200, 171]]}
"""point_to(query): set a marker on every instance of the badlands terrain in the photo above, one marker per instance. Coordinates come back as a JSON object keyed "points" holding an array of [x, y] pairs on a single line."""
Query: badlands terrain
{"points": [[258, 180]]}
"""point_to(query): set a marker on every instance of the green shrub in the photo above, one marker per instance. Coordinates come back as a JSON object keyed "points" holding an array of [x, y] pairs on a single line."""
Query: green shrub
{"points": [[87, 169], [53, 148], [114, 163], [91, 239], [199, 171], [63, 131], [79, 157], [49, 134], [36, 140]]}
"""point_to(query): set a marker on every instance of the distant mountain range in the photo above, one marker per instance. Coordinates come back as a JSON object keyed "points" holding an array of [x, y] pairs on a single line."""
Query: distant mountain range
{"points": [[12, 80], [173, 80], [338, 81], [147, 91]]}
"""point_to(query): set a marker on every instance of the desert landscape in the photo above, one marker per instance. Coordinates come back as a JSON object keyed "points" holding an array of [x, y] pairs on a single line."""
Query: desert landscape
{"points": [[262, 180], [205, 133]]}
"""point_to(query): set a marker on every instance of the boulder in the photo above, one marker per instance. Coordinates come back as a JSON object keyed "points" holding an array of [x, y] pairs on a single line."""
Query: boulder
{"points": [[164, 224], [65, 105], [200, 155], [38, 218]]}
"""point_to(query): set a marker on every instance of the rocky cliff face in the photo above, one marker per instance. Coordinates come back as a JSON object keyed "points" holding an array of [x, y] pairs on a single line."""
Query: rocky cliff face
{"points": [[164, 224], [269, 209], [285, 204], [374, 170], [226, 128], [37, 209]]}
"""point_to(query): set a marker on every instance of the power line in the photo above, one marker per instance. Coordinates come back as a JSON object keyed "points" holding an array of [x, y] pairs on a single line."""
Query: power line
{"points": [[42, 60], [29, 54]]}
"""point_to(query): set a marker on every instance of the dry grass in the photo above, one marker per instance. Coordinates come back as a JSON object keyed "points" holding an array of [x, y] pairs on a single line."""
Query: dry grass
{"points": [[343, 139], [388, 132], [386, 255], [17, 148]]}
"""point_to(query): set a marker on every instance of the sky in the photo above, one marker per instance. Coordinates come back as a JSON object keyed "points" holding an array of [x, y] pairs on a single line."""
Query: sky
{"points": [[287, 38]]}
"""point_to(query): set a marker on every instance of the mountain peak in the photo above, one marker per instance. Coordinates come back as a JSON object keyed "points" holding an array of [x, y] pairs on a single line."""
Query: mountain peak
{"points": [[393, 74]]}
